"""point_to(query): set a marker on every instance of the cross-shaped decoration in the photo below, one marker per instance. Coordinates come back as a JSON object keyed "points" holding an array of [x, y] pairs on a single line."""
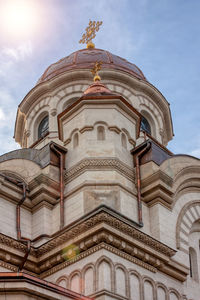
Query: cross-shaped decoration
{"points": [[95, 69], [90, 34]]}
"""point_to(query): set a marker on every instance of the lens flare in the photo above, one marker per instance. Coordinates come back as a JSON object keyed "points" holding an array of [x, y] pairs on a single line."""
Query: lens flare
{"points": [[70, 252], [18, 17]]}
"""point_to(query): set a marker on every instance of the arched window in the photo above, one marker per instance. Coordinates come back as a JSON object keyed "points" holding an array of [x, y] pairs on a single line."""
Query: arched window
{"points": [[75, 140], [43, 127], [124, 141], [100, 133], [145, 126]]}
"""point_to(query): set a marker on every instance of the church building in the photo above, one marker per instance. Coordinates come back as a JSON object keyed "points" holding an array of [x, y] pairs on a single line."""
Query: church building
{"points": [[94, 205]]}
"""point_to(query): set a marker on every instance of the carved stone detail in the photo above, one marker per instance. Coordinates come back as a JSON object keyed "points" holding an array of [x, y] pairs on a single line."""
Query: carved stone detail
{"points": [[53, 112], [113, 291], [113, 222], [100, 164], [93, 250], [112, 232], [8, 266], [7, 241]]}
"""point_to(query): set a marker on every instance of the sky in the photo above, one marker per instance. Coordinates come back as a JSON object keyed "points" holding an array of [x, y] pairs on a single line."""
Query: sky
{"points": [[162, 37]]}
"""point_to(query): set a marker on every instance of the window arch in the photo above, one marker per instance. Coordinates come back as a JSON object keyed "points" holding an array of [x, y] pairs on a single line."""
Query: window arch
{"points": [[75, 140], [145, 126], [43, 127], [100, 133]]}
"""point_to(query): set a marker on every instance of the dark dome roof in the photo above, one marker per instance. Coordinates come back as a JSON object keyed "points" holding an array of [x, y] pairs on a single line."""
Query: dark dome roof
{"points": [[85, 59]]}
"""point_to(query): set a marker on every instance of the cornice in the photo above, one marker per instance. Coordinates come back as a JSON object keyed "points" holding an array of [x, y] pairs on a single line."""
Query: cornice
{"points": [[43, 187], [100, 215], [110, 101], [94, 249], [101, 185], [103, 228], [8, 266], [12, 243], [157, 188], [99, 164], [116, 221], [159, 175], [28, 285]]}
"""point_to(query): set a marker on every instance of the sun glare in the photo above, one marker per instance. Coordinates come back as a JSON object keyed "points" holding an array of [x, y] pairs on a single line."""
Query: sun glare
{"points": [[18, 17]]}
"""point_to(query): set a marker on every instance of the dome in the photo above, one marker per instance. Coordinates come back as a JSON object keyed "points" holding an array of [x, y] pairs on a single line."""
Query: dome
{"points": [[97, 88], [85, 59]]}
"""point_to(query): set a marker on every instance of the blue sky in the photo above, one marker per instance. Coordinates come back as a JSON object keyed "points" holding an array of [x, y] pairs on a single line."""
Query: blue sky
{"points": [[162, 37]]}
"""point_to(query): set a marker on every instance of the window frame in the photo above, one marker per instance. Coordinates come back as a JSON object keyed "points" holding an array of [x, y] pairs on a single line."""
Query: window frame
{"points": [[41, 133]]}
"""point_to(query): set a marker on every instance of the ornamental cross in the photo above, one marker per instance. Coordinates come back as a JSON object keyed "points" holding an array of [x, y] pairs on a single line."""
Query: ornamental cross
{"points": [[90, 34], [95, 69]]}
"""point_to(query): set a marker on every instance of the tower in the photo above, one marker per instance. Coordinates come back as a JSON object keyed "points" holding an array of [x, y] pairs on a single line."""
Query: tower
{"points": [[94, 201]]}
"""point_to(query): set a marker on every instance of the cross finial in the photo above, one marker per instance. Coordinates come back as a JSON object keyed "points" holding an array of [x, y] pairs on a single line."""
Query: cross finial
{"points": [[95, 69], [90, 34]]}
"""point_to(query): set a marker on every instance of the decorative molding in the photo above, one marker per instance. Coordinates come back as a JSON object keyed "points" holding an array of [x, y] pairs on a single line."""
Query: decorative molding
{"points": [[83, 227], [114, 185], [53, 112], [112, 290], [191, 185], [43, 188], [12, 243], [67, 141], [109, 294], [93, 250], [113, 233], [27, 133], [132, 142], [8, 266], [159, 175], [114, 102], [129, 251], [86, 128], [99, 261], [105, 217], [184, 224], [115, 129], [63, 278], [99, 164], [111, 128], [42, 204], [157, 188]]}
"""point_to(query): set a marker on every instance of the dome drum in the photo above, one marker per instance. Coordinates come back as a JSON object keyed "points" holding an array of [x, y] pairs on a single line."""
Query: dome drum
{"points": [[70, 77]]}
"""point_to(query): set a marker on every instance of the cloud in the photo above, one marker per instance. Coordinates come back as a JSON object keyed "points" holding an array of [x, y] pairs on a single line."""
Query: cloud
{"points": [[8, 144], [10, 57], [10, 53], [2, 115], [25, 50], [195, 152], [17, 53], [12, 60], [7, 118]]}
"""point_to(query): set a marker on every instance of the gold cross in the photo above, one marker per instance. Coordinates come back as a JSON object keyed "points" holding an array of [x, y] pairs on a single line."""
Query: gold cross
{"points": [[90, 34], [95, 69]]}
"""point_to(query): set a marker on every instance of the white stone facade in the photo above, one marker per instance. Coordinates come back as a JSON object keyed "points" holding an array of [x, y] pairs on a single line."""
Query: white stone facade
{"points": [[101, 250]]}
